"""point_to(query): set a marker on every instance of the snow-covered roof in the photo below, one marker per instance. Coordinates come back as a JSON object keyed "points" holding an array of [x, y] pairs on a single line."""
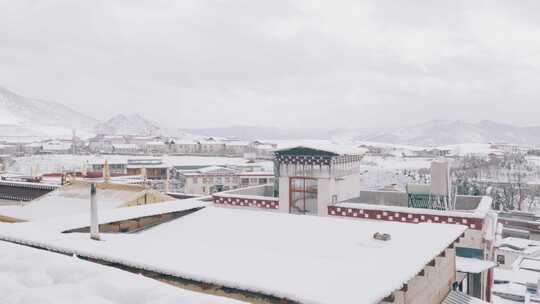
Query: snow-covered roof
{"points": [[471, 265], [329, 256], [530, 264], [337, 149], [56, 146], [155, 143], [125, 146], [524, 246], [75, 198], [65, 280]]}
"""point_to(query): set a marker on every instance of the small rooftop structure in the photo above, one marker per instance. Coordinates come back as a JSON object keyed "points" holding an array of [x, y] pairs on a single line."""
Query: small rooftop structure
{"points": [[308, 179]]}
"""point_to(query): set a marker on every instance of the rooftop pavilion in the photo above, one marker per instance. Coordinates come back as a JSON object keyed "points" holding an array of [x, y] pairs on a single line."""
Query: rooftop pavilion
{"points": [[308, 179]]}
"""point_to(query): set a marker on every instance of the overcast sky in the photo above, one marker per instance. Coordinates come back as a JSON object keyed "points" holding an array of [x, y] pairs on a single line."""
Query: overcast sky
{"points": [[298, 64]]}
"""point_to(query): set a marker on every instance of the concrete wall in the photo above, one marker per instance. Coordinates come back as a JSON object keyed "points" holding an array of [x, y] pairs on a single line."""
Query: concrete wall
{"points": [[347, 187], [326, 187], [284, 194], [261, 190], [467, 202], [389, 198], [432, 285]]}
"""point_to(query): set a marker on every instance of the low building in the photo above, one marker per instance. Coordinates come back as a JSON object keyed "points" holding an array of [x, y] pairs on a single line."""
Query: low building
{"points": [[32, 148], [125, 149], [208, 180], [8, 149], [74, 198], [104, 143], [238, 147], [510, 249], [115, 168], [326, 183], [56, 147], [518, 284], [334, 260], [183, 146], [255, 178], [155, 147], [211, 146], [151, 168]]}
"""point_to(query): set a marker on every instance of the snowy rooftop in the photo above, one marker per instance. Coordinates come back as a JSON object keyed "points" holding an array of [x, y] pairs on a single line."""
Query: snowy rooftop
{"points": [[75, 198], [65, 280], [524, 246], [329, 256], [334, 148]]}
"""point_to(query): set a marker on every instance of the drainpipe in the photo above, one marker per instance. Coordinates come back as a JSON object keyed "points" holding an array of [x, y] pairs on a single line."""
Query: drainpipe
{"points": [[94, 226]]}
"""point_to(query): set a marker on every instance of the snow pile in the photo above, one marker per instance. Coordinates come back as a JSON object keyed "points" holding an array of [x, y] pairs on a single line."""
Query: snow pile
{"points": [[24, 278]]}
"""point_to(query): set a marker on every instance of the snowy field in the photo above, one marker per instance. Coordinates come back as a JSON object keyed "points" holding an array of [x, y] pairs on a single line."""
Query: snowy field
{"points": [[26, 279]]}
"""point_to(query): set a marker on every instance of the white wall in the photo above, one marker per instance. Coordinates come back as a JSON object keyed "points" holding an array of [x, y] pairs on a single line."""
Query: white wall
{"points": [[284, 194]]}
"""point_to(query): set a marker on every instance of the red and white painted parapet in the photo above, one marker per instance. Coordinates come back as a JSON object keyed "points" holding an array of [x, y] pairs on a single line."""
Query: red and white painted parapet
{"points": [[407, 215]]}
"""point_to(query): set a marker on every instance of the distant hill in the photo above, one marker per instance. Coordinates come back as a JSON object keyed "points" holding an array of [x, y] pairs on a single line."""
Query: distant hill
{"points": [[133, 124], [444, 132], [24, 116]]}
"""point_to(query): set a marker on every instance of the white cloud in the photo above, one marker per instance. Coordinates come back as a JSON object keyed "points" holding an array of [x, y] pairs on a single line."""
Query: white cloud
{"points": [[298, 63]]}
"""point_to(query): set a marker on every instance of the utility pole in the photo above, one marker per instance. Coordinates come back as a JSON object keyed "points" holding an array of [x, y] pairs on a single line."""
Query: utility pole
{"points": [[94, 225]]}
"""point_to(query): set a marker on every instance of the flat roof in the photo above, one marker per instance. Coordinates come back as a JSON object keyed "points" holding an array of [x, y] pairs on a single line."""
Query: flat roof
{"points": [[303, 258], [66, 280]]}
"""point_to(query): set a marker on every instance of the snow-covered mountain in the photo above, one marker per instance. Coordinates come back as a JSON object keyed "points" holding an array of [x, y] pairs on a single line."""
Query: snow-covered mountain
{"points": [[23, 116], [443, 132], [133, 124]]}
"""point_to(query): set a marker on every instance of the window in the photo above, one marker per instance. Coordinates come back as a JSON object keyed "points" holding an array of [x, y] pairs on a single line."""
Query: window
{"points": [[263, 181], [195, 180], [500, 259], [253, 180], [245, 181], [303, 193]]}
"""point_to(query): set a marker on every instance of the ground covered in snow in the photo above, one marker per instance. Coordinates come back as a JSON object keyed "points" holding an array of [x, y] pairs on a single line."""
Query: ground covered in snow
{"points": [[30, 276]]}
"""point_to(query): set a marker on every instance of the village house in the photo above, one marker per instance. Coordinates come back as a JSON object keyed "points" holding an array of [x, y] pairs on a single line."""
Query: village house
{"points": [[125, 149], [150, 168], [510, 249], [211, 146], [183, 146], [32, 148], [56, 147], [237, 147], [329, 261], [155, 147], [104, 143]]}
